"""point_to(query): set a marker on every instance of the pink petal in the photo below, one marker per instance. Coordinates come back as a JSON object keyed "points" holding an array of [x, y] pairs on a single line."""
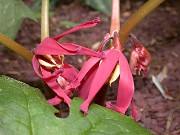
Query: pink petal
{"points": [[52, 47], [46, 73], [134, 111], [69, 73], [89, 24], [54, 101], [86, 84], [87, 71], [103, 73], [82, 50], [51, 82], [36, 65], [107, 37], [50, 79], [87, 66], [126, 87]]}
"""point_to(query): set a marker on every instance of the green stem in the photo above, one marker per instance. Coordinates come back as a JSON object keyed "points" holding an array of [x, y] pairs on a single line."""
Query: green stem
{"points": [[45, 19], [17, 48], [137, 17]]}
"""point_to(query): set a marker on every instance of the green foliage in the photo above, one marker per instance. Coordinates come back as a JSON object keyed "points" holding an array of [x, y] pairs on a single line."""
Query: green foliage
{"points": [[103, 6], [24, 111], [12, 13]]}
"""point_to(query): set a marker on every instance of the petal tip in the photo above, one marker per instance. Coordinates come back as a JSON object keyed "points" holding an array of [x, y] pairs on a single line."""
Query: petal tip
{"points": [[84, 109], [97, 20], [114, 107]]}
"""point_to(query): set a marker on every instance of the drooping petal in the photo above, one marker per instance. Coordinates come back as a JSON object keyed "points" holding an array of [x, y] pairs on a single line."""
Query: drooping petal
{"points": [[125, 89], [134, 111], [106, 39], [86, 83], [51, 47], [87, 66], [52, 83], [51, 79], [83, 50], [88, 24], [69, 72], [46, 73], [54, 101], [103, 72], [87, 73], [63, 83]]}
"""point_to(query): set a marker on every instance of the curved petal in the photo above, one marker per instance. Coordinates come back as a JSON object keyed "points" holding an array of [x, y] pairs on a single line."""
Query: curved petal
{"points": [[70, 73], [52, 83], [126, 87], [103, 72], [134, 111], [51, 47], [36, 65], [54, 101], [88, 24], [51, 79], [86, 84], [87, 66], [87, 72]]}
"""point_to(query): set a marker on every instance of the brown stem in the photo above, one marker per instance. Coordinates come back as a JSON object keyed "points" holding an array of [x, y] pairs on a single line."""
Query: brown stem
{"points": [[17, 48], [137, 17]]}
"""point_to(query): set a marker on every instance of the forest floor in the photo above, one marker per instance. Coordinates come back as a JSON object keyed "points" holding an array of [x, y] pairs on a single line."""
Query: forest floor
{"points": [[159, 33]]}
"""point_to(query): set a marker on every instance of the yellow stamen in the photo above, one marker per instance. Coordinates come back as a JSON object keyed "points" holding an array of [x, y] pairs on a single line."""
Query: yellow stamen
{"points": [[49, 57], [61, 57], [46, 64], [115, 74]]}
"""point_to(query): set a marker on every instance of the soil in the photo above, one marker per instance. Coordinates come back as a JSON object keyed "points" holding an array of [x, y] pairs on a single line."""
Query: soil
{"points": [[159, 33]]}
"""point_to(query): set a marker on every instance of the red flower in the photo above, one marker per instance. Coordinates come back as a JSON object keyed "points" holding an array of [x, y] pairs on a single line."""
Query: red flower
{"points": [[48, 63], [100, 68], [97, 71]]}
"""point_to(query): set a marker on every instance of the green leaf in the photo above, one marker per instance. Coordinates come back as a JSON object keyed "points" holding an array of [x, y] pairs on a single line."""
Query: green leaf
{"points": [[24, 111], [103, 6], [12, 13]]}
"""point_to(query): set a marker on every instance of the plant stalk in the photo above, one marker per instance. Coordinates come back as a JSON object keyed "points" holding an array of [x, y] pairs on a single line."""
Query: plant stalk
{"points": [[136, 18], [115, 16], [16, 47], [45, 19]]}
